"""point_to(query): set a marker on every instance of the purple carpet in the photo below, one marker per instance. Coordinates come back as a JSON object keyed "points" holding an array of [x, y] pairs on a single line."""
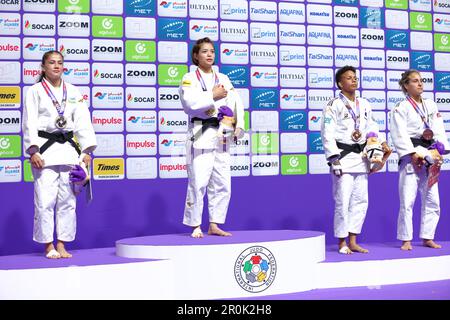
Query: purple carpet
{"points": [[434, 290], [387, 251], [238, 237], [86, 257]]}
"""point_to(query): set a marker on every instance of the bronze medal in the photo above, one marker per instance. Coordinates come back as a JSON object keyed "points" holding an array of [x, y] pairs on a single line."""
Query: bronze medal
{"points": [[427, 134], [61, 122], [356, 135]]}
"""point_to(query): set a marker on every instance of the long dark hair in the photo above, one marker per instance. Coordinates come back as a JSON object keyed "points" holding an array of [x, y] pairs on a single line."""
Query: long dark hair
{"points": [[197, 46], [44, 58]]}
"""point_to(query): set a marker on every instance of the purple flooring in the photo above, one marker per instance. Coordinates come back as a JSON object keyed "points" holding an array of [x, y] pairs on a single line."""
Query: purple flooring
{"points": [[238, 237], [86, 257], [434, 290], [387, 251]]}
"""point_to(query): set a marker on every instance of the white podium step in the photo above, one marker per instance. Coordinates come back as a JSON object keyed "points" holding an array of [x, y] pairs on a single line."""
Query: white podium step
{"points": [[248, 264]]}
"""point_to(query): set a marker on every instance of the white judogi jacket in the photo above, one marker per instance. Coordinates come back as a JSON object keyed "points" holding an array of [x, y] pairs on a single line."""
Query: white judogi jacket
{"points": [[197, 102], [338, 125], [406, 123], [39, 114]]}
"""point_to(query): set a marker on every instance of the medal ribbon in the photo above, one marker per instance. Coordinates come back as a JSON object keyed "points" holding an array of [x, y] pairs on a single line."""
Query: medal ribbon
{"points": [[59, 108], [347, 104], [419, 111], [202, 82]]}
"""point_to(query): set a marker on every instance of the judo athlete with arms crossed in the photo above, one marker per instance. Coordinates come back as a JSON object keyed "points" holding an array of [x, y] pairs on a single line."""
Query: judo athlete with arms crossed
{"points": [[346, 125], [55, 113], [418, 135], [207, 97]]}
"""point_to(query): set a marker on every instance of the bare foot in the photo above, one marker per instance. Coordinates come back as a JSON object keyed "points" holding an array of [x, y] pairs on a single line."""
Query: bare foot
{"points": [[62, 250], [197, 233], [50, 251], [215, 230], [430, 243], [406, 245], [357, 248]]}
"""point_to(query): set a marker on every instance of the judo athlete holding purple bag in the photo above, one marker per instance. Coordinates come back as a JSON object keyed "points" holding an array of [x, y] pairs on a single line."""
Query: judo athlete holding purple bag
{"points": [[418, 134], [216, 115], [54, 115]]}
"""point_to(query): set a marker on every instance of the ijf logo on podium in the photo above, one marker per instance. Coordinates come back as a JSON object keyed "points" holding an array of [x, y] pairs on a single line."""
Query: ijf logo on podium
{"points": [[255, 269]]}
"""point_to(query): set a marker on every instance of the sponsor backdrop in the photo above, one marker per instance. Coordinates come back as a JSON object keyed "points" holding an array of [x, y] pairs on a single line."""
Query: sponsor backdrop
{"points": [[127, 58]]}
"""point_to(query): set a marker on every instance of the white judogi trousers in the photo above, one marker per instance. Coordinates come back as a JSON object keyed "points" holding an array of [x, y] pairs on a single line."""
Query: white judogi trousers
{"points": [[409, 182], [208, 171], [351, 203], [53, 192]]}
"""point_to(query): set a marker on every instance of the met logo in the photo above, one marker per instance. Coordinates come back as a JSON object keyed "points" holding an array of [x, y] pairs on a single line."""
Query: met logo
{"points": [[238, 75], [140, 8], [346, 2], [263, 98], [172, 29], [315, 142], [442, 81], [396, 39], [422, 60], [371, 18], [293, 120]]}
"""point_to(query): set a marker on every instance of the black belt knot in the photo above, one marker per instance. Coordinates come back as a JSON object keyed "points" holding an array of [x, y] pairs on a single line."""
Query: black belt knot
{"points": [[206, 123], [422, 142], [60, 137], [347, 148]]}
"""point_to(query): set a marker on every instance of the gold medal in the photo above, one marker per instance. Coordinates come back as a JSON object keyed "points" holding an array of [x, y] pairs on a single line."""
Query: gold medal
{"points": [[427, 134], [356, 135], [61, 122]]}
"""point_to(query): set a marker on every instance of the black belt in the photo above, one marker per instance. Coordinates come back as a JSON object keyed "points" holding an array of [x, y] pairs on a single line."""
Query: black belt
{"points": [[421, 142], [60, 137], [206, 123], [347, 148]]}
